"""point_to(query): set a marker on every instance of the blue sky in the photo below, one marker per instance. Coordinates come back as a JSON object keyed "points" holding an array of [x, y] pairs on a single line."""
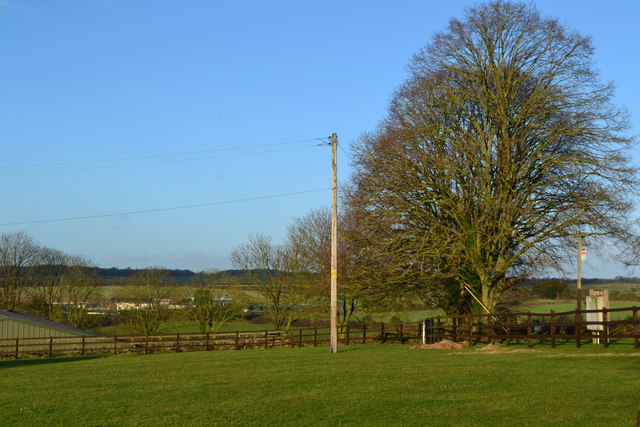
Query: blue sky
{"points": [[98, 98]]}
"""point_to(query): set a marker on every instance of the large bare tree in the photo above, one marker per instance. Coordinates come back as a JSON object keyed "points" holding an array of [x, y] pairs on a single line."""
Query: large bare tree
{"points": [[501, 144]]}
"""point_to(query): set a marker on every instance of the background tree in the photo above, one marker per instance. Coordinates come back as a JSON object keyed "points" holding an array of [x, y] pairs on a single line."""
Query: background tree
{"points": [[149, 289], [311, 234], [213, 302], [501, 144], [279, 275], [79, 287], [45, 292], [18, 252]]}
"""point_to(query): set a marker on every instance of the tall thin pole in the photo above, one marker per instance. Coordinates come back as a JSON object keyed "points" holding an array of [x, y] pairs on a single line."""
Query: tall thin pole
{"points": [[334, 243], [579, 281]]}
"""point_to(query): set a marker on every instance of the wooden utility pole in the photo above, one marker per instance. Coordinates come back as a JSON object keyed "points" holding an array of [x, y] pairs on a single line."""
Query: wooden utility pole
{"points": [[334, 243], [579, 281]]}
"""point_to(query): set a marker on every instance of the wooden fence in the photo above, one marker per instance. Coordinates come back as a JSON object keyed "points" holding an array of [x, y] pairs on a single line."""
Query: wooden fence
{"points": [[614, 325], [237, 340], [621, 325]]}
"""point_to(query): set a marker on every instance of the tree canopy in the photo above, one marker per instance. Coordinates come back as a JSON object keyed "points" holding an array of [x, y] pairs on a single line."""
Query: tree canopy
{"points": [[501, 144]]}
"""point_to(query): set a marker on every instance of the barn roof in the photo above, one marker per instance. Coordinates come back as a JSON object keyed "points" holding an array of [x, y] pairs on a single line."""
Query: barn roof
{"points": [[39, 321]]}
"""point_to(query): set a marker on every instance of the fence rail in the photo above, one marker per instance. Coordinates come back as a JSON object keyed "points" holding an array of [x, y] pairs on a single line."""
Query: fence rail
{"points": [[605, 325], [237, 340], [620, 325]]}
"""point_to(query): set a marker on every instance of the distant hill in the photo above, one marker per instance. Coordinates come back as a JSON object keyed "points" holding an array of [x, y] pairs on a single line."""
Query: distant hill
{"points": [[113, 273]]}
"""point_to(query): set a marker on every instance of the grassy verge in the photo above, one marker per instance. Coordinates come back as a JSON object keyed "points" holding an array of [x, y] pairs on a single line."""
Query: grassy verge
{"points": [[361, 385]]}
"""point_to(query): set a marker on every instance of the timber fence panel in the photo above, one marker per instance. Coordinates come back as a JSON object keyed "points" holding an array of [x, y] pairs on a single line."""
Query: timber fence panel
{"points": [[619, 325]]}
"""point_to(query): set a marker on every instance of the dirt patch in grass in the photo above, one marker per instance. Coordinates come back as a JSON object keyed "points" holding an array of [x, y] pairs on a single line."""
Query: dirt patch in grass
{"points": [[495, 349], [490, 348], [441, 345]]}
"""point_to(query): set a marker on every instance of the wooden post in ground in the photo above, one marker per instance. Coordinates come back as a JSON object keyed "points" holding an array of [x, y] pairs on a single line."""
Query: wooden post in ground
{"points": [[636, 328], [455, 328], [605, 327], [552, 329]]}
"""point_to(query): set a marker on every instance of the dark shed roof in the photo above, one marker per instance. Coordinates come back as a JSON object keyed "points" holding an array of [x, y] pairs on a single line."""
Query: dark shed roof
{"points": [[19, 325]]}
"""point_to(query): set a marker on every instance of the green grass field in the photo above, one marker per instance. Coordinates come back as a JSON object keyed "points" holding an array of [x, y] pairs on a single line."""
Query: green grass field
{"points": [[361, 385]]}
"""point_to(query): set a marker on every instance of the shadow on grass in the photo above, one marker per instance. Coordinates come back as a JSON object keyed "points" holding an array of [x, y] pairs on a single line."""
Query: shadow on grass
{"points": [[32, 362], [348, 348]]}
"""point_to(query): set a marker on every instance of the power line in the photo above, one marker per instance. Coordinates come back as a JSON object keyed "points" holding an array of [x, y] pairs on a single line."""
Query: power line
{"points": [[155, 163], [155, 156], [273, 196]]}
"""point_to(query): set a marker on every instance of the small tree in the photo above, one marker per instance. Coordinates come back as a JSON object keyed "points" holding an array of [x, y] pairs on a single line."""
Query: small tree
{"points": [[150, 291], [277, 273], [311, 236], [212, 305], [79, 286]]}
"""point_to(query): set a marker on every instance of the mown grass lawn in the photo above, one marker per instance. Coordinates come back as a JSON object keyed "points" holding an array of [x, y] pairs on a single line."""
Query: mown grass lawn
{"points": [[361, 385]]}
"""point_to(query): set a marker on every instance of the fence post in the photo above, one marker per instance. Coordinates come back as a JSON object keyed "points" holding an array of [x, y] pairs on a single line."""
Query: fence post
{"points": [[177, 342], [455, 328], [115, 345], [206, 342], [636, 328], [529, 329], [553, 329], [315, 336], [300, 338], [470, 328], [347, 334], [605, 327], [146, 344], [50, 346], [83, 347], [401, 333], [578, 328], [382, 333], [266, 340], [17, 347], [364, 333]]}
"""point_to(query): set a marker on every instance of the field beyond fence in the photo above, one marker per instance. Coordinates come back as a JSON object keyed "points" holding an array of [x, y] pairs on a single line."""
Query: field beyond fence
{"points": [[606, 326]]}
